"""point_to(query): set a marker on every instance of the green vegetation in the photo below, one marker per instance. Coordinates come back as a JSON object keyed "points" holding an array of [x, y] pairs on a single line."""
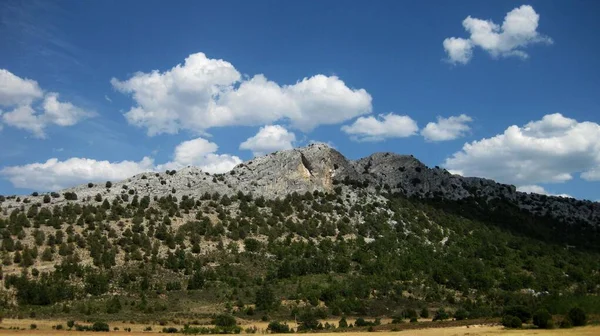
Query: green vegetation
{"points": [[307, 256]]}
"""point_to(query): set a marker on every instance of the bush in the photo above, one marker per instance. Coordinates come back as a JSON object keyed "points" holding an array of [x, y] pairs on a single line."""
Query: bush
{"points": [[100, 326], [33, 326], [577, 317], [510, 321], [70, 196], [343, 323], [277, 327], [90, 185], [542, 319], [224, 320], [424, 313], [47, 199], [108, 184], [70, 324], [566, 323], [440, 315], [518, 311], [461, 314]]}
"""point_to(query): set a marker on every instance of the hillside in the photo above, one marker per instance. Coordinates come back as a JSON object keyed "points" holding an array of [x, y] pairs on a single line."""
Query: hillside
{"points": [[299, 232]]}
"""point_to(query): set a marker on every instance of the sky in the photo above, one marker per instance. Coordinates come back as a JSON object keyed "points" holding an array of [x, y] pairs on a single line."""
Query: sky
{"points": [[102, 90]]}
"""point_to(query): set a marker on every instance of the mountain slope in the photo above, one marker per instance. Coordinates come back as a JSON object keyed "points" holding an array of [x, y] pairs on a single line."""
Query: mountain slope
{"points": [[306, 231]]}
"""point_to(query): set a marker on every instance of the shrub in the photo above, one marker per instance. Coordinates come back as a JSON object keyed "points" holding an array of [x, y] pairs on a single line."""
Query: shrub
{"points": [[440, 315], [518, 311], [542, 319], [224, 320], [108, 184], [59, 327], [577, 317], [566, 323], [47, 199], [100, 326], [278, 327], [510, 321], [70, 196], [70, 324], [33, 326], [169, 330], [343, 323], [424, 313], [461, 314], [90, 185]]}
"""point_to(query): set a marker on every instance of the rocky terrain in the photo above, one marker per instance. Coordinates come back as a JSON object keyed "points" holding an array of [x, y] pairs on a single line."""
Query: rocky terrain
{"points": [[319, 167]]}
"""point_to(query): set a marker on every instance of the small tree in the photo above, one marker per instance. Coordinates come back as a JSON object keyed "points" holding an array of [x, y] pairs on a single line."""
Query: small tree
{"points": [[542, 319], [424, 313], [47, 199], [440, 315], [518, 311], [265, 299], [510, 321], [224, 320], [70, 324], [343, 323], [577, 317], [108, 184], [277, 327], [461, 314]]}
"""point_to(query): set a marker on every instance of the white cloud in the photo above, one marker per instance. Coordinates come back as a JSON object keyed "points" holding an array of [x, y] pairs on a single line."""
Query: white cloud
{"points": [[458, 49], [20, 94], [201, 152], [518, 31], [54, 174], [25, 117], [549, 150], [107, 98], [377, 129], [536, 189], [447, 128], [203, 93], [15, 90], [269, 139]]}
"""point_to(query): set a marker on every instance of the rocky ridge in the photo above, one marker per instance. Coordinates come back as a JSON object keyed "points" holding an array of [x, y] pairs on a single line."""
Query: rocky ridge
{"points": [[319, 167]]}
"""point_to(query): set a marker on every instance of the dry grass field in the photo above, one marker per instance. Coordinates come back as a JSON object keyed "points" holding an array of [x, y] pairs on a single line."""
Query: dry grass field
{"points": [[44, 327]]}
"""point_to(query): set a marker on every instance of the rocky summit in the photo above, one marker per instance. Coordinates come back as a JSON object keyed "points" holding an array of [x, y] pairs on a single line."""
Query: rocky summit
{"points": [[318, 167]]}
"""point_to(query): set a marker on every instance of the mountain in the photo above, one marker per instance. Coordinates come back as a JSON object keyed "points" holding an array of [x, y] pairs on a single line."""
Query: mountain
{"points": [[302, 232], [318, 167]]}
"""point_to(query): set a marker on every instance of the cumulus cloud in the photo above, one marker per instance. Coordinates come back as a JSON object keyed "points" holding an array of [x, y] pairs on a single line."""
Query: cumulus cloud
{"points": [[385, 126], [518, 31], [447, 128], [536, 189], [55, 174], [269, 139], [550, 150], [15, 90], [203, 93], [20, 95], [201, 153]]}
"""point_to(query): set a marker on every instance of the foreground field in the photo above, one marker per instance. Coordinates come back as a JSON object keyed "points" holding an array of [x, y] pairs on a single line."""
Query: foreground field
{"points": [[44, 327]]}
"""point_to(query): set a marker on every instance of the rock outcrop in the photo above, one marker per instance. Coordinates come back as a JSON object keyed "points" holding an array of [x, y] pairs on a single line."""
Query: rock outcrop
{"points": [[319, 167]]}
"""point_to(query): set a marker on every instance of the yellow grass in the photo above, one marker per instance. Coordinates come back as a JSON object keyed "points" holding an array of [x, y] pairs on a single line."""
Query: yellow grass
{"points": [[45, 328]]}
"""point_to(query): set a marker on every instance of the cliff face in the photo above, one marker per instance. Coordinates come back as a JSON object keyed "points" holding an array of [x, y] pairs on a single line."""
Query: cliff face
{"points": [[318, 168]]}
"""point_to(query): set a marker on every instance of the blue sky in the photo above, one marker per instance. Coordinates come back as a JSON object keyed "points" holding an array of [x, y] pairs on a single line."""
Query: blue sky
{"points": [[363, 76]]}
